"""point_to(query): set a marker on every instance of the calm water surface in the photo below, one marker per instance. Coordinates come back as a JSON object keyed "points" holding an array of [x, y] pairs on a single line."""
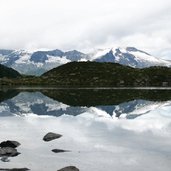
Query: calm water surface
{"points": [[125, 129]]}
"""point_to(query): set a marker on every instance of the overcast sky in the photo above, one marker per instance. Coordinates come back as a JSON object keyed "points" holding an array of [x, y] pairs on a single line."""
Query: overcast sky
{"points": [[86, 24]]}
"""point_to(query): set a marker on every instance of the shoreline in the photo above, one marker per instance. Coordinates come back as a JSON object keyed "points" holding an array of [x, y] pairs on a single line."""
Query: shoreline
{"points": [[81, 88]]}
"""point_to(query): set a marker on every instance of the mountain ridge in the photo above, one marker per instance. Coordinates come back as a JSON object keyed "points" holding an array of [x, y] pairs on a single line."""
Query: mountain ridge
{"points": [[39, 62]]}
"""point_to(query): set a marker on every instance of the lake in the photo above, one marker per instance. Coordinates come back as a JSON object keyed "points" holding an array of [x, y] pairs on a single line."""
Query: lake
{"points": [[102, 129]]}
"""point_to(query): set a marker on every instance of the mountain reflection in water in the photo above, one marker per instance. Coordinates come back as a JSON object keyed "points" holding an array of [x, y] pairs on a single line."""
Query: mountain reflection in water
{"points": [[127, 103]]}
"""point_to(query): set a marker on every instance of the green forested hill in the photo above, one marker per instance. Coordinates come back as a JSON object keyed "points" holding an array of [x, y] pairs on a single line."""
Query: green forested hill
{"points": [[107, 75], [94, 74]]}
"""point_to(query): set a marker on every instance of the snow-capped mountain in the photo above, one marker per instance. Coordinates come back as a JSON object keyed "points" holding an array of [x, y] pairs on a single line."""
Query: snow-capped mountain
{"points": [[129, 56], [36, 63]]}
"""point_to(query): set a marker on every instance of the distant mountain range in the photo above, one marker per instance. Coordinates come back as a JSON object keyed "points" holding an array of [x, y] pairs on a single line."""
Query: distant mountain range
{"points": [[39, 62]]}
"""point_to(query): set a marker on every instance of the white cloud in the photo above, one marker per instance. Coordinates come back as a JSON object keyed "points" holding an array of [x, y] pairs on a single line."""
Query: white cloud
{"points": [[84, 25]]}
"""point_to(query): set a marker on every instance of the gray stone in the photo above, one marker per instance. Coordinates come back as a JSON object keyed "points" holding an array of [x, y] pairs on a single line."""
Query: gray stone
{"points": [[69, 168], [9, 143], [51, 136]]}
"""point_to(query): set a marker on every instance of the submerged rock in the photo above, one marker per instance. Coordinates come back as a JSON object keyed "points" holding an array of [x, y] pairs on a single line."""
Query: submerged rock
{"points": [[9, 152], [59, 151], [69, 168], [51, 136], [5, 159], [8, 143]]}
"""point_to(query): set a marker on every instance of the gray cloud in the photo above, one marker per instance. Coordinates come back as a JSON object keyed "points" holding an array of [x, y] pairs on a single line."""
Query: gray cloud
{"points": [[85, 25]]}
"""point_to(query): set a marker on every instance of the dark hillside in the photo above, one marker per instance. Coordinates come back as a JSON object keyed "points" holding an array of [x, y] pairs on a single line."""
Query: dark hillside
{"points": [[8, 72], [93, 74]]}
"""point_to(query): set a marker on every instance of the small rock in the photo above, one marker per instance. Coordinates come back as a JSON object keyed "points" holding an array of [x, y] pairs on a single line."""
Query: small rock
{"points": [[9, 143], [69, 168], [9, 152], [59, 151], [51, 136]]}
